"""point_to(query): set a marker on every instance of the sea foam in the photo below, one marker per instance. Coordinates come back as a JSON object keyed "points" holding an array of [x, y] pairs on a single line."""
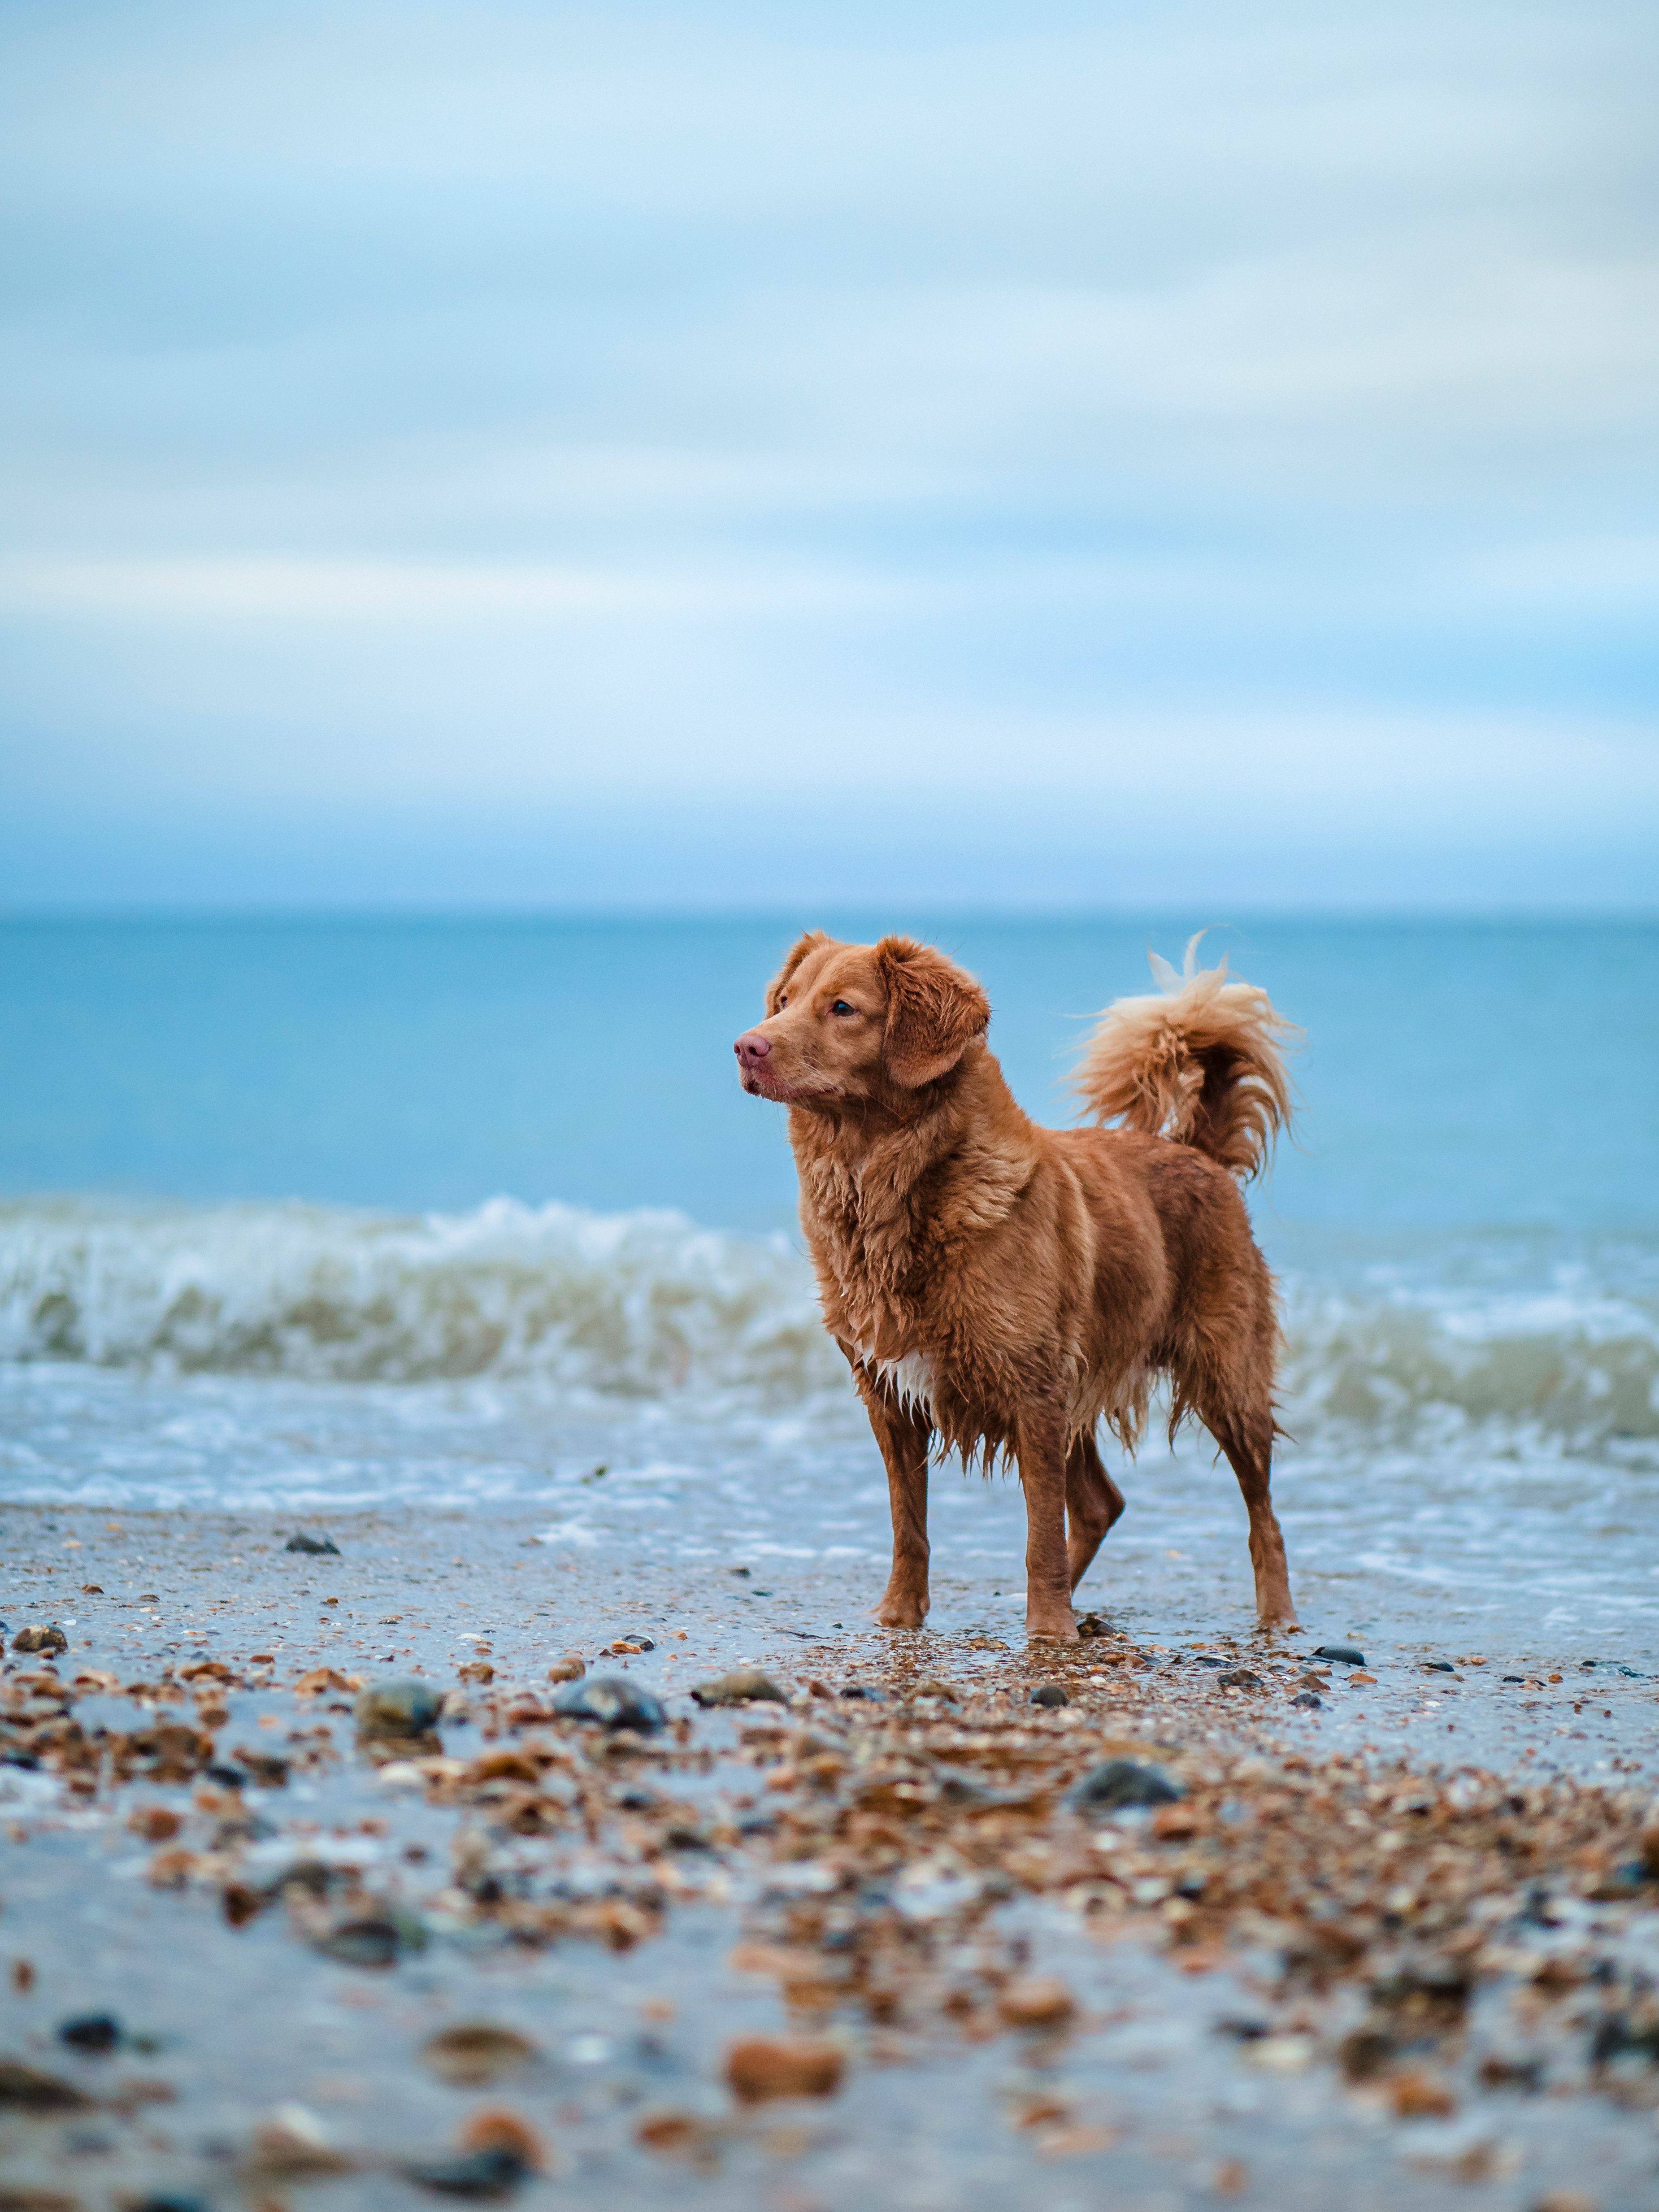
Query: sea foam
{"points": [[646, 1305], [634, 1303]]}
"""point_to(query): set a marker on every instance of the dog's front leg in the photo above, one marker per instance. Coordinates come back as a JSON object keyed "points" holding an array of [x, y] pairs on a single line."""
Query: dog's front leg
{"points": [[903, 1435], [1042, 1451]]}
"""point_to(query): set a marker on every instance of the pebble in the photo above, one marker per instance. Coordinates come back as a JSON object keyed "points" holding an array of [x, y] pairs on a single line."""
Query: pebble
{"points": [[1416, 2095], [40, 1639], [299, 1541], [1310, 1701], [264, 1768], [373, 1939], [91, 2032], [476, 2173], [1239, 1678], [292, 2145], [1051, 1693], [1439, 1666], [761, 2066], [32, 2091], [1123, 1782], [743, 1684], [1036, 2000], [930, 1688], [1340, 1655], [674, 2135], [613, 1701], [861, 1690], [401, 1705], [570, 1668], [156, 1824], [499, 2130], [475, 2051]]}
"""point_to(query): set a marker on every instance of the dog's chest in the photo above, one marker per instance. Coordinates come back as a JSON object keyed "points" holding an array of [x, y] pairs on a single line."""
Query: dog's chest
{"points": [[912, 1379], [873, 1301]]}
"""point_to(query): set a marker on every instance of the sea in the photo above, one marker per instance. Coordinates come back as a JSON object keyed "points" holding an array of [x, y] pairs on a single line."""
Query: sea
{"points": [[438, 1215]]}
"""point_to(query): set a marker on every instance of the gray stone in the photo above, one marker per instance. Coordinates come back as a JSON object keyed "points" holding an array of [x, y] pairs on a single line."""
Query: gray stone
{"points": [[1120, 1783], [40, 1639], [1340, 1655], [401, 1705], [1051, 1693], [476, 2173], [299, 1541], [376, 1937], [611, 1700], [739, 1687]]}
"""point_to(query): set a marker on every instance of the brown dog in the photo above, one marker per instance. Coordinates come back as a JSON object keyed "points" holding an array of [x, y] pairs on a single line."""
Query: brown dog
{"points": [[1001, 1287]]}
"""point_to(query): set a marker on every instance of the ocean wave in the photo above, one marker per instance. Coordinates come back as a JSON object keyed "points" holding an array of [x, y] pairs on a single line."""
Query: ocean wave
{"points": [[1580, 1366], [648, 1305], [637, 1303]]}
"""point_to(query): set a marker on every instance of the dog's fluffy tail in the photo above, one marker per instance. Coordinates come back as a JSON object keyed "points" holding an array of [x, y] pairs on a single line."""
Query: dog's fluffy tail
{"points": [[1200, 1060]]}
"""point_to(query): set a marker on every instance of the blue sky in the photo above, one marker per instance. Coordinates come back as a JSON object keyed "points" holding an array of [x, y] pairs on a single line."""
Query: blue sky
{"points": [[739, 455]]}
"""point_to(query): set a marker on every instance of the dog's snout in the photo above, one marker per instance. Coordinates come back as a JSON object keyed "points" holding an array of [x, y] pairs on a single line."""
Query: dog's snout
{"points": [[752, 1046]]}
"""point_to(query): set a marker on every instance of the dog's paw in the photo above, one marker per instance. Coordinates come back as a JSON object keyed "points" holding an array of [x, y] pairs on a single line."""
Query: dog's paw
{"points": [[1056, 1631], [900, 1612]]}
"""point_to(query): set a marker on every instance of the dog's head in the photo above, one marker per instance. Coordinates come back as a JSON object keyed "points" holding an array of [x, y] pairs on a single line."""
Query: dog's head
{"points": [[860, 1021]]}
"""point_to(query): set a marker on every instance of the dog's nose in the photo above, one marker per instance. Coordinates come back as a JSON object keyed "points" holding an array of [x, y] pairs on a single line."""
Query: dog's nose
{"points": [[751, 1047]]}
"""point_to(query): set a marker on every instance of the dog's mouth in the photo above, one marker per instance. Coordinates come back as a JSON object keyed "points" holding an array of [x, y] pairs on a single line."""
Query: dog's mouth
{"points": [[761, 1082]]}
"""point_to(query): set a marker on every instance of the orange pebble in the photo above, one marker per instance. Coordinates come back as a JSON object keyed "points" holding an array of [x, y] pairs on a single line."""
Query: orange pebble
{"points": [[762, 2066], [497, 2129]]}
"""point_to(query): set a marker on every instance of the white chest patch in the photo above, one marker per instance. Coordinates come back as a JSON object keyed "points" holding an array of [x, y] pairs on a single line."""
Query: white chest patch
{"points": [[912, 1377]]}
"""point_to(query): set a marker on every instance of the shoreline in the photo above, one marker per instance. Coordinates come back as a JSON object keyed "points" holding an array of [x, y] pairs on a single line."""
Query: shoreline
{"points": [[545, 1891]]}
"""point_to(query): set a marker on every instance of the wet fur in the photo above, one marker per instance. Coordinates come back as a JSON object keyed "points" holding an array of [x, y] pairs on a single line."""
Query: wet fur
{"points": [[1001, 1288]]}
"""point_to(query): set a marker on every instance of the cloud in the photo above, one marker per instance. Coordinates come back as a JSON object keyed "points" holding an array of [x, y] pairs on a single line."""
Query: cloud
{"points": [[553, 405]]}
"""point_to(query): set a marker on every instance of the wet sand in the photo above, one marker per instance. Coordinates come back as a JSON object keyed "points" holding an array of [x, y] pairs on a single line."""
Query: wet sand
{"points": [[1389, 1947]]}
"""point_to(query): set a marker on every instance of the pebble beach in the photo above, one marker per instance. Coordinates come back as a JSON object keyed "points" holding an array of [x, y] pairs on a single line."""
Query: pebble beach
{"points": [[431, 1860]]}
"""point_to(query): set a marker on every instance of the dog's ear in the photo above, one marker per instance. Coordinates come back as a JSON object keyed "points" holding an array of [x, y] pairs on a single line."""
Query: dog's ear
{"points": [[934, 1008], [791, 960]]}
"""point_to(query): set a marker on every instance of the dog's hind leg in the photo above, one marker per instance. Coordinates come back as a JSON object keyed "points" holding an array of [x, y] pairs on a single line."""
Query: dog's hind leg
{"points": [[1093, 1505], [903, 1433], [1248, 1441], [1223, 1371]]}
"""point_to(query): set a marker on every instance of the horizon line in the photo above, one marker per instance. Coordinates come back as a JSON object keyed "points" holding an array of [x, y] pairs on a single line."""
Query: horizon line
{"points": [[336, 911]]}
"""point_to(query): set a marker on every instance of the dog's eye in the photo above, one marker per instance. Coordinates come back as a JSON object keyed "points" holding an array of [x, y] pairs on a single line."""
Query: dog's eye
{"points": [[840, 1006], [783, 1000]]}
